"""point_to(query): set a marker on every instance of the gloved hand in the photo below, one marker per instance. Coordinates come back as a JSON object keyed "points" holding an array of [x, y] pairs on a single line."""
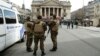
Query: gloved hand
{"points": [[44, 38]]}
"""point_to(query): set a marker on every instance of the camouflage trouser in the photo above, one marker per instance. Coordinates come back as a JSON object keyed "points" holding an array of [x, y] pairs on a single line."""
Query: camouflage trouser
{"points": [[54, 38], [36, 41], [29, 39]]}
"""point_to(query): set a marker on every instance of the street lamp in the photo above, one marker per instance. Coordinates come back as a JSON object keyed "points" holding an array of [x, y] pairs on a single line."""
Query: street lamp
{"points": [[83, 10], [23, 5], [83, 3], [23, 8]]}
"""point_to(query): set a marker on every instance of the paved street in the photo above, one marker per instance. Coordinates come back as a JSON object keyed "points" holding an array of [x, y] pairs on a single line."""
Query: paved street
{"points": [[71, 42]]}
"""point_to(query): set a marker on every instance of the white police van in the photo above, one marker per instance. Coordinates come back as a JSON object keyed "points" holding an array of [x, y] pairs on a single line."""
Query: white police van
{"points": [[11, 30]]}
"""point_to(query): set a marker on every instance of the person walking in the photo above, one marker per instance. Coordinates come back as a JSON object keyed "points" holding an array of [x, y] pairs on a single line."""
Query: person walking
{"points": [[68, 24], [39, 29], [72, 24], [28, 34], [76, 23], [53, 27]]}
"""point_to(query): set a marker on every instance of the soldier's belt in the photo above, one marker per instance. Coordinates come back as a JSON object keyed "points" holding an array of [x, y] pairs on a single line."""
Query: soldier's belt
{"points": [[38, 33]]}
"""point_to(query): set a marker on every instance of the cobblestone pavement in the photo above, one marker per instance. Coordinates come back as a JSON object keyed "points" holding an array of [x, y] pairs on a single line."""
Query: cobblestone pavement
{"points": [[71, 42]]}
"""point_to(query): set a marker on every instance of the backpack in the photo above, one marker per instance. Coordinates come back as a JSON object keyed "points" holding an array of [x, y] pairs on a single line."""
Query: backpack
{"points": [[29, 25], [54, 26], [38, 27]]}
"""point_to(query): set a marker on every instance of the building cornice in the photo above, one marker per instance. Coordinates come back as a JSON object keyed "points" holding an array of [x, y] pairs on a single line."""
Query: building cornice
{"points": [[59, 3]]}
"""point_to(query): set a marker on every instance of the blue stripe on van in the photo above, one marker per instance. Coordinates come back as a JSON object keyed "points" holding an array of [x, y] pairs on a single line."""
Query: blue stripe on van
{"points": [[22, 32]]}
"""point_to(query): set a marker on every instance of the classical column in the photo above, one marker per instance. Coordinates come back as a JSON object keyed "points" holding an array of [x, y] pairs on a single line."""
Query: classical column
{"points": [[49, 11], [61, 12], [41, 11], [34, 12], [57, 11], [53, 10]]}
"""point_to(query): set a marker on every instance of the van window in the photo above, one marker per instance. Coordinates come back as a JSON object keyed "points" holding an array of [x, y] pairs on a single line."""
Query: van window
{"points": [[10, 17], [1, 17], [20, 18]]}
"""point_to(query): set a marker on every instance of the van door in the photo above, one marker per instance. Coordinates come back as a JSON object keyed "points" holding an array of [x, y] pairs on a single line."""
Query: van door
{"points": [[21, 28], [11, 27], [2, 32]]}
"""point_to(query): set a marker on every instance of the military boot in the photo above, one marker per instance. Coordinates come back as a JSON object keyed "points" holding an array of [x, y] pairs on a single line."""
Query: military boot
{"points": [[43, 53], [54, 49], [34, 53], [29, 49]]}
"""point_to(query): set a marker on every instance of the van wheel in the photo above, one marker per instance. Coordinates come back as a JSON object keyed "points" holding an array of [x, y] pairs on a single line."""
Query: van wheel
{"points": [[23, 39]]}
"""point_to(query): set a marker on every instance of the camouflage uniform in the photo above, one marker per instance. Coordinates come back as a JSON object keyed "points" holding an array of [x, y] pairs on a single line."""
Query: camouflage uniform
{"points": [[54, 38], [36, 40], [39, 36], [53, 35], [29, 35]]}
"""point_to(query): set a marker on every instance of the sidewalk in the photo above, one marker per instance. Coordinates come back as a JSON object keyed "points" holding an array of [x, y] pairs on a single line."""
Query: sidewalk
{"points": [[70, 43], [97, 29]]}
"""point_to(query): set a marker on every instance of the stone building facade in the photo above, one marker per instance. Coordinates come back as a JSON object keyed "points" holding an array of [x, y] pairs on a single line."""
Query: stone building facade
{"points": [[6, 0], [97, 13], [94, 12], [47, 8]]}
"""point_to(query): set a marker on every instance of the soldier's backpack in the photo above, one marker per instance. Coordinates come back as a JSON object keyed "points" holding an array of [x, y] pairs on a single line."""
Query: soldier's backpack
{"points": [[55, 25], [29, 25], [38, 27]]}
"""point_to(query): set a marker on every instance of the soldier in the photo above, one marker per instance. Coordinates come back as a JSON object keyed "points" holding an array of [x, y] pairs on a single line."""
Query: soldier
{"points": [[53, 27], [39, 29], [28, 33]]}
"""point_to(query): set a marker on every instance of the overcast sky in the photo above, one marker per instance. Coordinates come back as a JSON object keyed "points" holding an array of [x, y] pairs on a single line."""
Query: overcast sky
{"points": [[76, 4]]}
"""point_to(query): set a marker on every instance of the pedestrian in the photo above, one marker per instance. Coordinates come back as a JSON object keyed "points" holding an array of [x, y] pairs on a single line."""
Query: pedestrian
{"points": [[39, 29], [68, 24], [28, 34], [60, 23], [53, 27], [72, 24], [76, 23]]}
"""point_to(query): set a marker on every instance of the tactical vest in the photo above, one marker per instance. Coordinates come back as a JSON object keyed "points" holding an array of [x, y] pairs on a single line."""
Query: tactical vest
{"points": [[55, 25], [38, 28]]}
